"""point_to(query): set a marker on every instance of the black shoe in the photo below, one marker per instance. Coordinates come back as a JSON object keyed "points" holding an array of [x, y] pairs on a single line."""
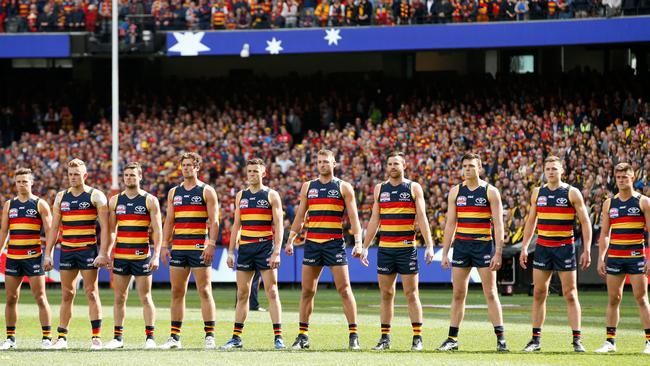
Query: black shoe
{"points": [[577, 346], [302, 342], [449, 345], [354, 342], [384, 343], [417, 344], [502, 347], [532, 346]]}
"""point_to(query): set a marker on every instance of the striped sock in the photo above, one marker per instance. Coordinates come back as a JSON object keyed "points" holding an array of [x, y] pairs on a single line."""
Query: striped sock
{"points": [[277, 330], [352, 328], [46, 331], [11, 333], [237, 330], [453, 333], [537, 334], [303, 328], [647, 334], [96, 326], [385, 330], [176, 330], [63, 333], [208, 327], [611, 335], [118, 331], [499, 332], [148, 331], [417, 329], [576, 334]]}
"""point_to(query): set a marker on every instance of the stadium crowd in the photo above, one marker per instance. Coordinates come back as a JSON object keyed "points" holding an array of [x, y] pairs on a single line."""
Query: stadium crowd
{"points": [[94, 15], [513, 122]]}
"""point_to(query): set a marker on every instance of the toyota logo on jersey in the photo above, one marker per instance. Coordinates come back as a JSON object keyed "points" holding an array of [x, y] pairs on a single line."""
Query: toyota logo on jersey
{"points": [[263, 203], [84, 205], [480, 201], [333, 193], [140, 210], [196, 199], [561, 201], [634, 211], [31, 212], [405, 196]]}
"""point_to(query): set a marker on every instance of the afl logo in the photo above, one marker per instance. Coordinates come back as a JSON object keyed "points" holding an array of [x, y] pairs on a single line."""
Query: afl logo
{"points": [[196, 200], [313, 193], [461, 201], [633, 211], [31, 212], [263, 203], [178, 200], [13, 213], [140, 210], [120, 210], [561, 201], [65, 206], [243, 203], [613, 213], [84, 205], [384, 197], [332, 193], [480, 201], [541, 201], [405, 195]]}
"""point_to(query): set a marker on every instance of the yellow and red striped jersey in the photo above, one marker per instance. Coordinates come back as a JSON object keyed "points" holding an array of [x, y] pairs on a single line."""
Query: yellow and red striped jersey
{"points": [[190, 218], [555, 216], [133, 222], [79, 221], [396, 215], [627, 225], [325, 206], [256, 216], [25, 224], [473, 214]]}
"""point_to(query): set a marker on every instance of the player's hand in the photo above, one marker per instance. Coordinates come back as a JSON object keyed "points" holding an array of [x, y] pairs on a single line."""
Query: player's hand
{"points": [[230, 261], [274, 260], [647, 268], [102, 261], [154, 263], [444, 261], [428, 255], [288, 249], [208, 253], [363, 257], [585, 260], [602, 270], [47, 263], [356, 251], [495, 263], [164, 254], [523, 258]]}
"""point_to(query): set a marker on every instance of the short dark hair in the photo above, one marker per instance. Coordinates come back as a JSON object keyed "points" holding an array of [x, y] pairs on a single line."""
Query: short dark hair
{"points": [[623, 167], [23, 171], [397, 153], [135, 166], [471, 156], [255, 161], [552, 159]]}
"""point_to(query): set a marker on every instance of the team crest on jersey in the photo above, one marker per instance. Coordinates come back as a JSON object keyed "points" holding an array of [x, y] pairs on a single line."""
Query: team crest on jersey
{"points": [[263, 204], [196, 200], [480, 201], [405, 196], [561, 201], [461, 201], [65, 206], [333, 193], [120, 210], [313, 193], [31, 212], [613, 213], [140, 210], [541, 201], [384, 197], [243, 203], [84, 205], [633, 211], [178, 200], [13, 213]]}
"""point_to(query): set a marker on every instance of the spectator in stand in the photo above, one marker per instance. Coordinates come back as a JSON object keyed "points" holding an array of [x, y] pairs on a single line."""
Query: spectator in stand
{"points": [[384, 13], [290, 13], [419, 12], [204, 14], [322, 13], [522, 10], [259, 18], [75, 19], [47, 20], [219, 15], [443, 10], [402, 11], [581, 8], [363, 13], [337, 14], [90, 17]]}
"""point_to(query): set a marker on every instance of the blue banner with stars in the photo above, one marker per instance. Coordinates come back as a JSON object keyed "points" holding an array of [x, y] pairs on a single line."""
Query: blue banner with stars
{"points": [[403, 38]]}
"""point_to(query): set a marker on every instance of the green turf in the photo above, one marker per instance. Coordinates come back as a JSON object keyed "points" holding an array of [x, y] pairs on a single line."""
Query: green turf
{"points": [[328, 333]]}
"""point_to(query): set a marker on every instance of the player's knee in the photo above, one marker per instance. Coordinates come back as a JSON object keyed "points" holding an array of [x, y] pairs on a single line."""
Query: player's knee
{"points": [[91, 292], [641, 299], [242, 295], [67, 294], [615, 300], [345, 292], [491, 295], [272, 292], [412, 296], [388, 295], [41, 300], [308, 293], [120, 298], [539, 294], [205, 292], [146, 299], [178, 292], [12, 299], [459, 295], [570, 295]]}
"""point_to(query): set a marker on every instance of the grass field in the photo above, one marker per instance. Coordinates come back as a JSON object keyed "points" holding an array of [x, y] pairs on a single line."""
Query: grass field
{"points": [[328, 333]]}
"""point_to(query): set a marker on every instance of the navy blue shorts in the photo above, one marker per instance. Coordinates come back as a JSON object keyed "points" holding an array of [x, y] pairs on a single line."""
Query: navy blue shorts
{"points": [[468, 254], [562, 258], [254, 256], [397, 260], [330, 253], [623, 266], [129, 267], [187, 258], [78, 259], [25, 267]]}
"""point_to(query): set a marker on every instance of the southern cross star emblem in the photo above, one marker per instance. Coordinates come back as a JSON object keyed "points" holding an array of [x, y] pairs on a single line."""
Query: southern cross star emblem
{"points": [[274, 46], [189, 43], [332, 36]]}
